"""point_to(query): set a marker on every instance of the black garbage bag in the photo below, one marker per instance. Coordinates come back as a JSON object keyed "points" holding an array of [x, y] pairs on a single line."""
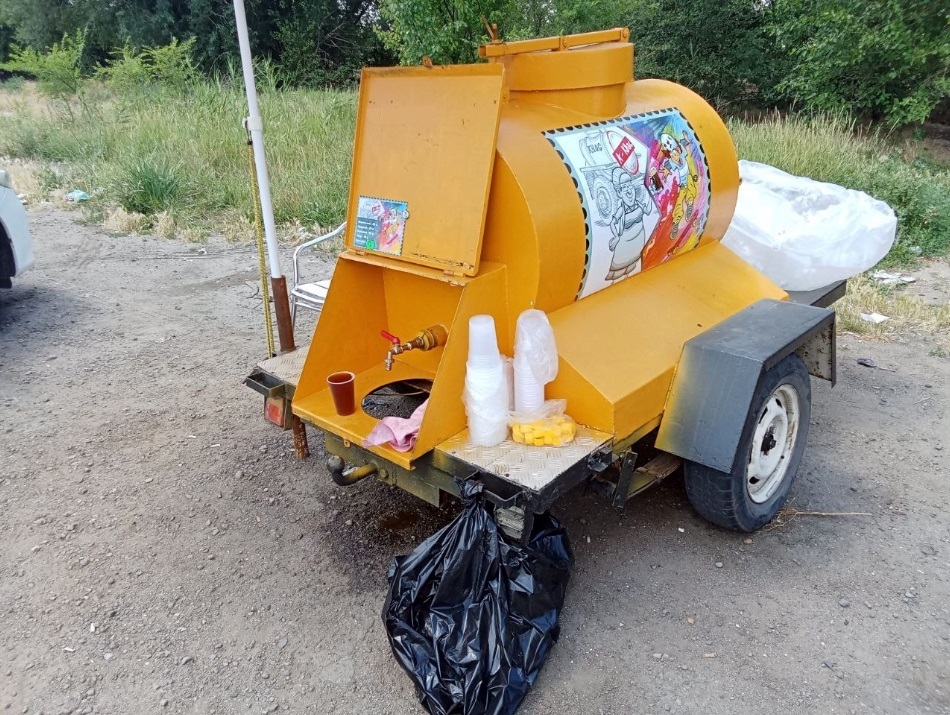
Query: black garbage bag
{"points": [[471, 616]]}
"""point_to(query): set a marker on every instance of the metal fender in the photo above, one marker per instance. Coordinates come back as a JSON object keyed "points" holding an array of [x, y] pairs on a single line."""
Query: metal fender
{"points": [[719, 370]]}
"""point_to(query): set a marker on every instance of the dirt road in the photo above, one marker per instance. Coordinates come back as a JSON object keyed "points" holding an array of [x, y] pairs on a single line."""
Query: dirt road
{"points": [[162, 551]]}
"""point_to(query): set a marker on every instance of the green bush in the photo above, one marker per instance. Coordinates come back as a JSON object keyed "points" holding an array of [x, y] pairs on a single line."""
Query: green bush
{"points": [[126, 71], [132, 70], [170, 65], [326, 43], [58, 72], [719, 48]]}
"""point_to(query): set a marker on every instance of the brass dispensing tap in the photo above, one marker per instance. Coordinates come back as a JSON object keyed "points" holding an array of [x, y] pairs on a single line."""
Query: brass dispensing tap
{"points": [[426, 340]]}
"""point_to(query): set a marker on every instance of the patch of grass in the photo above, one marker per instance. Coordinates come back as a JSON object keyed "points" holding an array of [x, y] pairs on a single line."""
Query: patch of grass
{"points": [[149, 186], [24, 139], [186, 151], [237, 227], [163, 224], [905, 312], [119, 220], [51, 178], [37, 181], [194, 234], [13, 83], [833, 149], [91, 214], [29, 178]]}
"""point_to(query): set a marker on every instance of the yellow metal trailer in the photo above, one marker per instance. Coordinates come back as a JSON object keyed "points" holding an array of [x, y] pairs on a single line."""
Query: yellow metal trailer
{"points": [[547, 177]]}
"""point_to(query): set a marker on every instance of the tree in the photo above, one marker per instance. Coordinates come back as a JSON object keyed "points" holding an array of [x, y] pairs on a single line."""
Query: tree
{"points": [[58, 72], [884, 58], [450, 31], [542, 18], [110, 26], [36, 24], [327, 42], [447, 31], [718, 48], [212, 21]]}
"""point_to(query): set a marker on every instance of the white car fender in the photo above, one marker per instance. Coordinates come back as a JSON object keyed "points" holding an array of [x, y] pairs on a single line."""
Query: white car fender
{"points": [[13, 217]]}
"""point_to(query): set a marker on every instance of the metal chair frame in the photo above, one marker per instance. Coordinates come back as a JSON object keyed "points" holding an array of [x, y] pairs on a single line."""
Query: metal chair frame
{"points": [[310, 295]]}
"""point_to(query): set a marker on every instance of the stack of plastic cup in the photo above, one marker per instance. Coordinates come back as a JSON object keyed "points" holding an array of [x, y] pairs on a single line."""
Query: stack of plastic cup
{"points": [[486, 391], [529, 393], [509, 366]]}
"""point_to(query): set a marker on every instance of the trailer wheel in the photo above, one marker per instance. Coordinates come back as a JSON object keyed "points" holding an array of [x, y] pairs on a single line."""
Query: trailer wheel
{"points": [[773, 442]]}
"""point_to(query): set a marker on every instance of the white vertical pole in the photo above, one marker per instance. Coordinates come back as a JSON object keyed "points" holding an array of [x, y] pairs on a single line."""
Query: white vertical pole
{"points": [[256, 127]]}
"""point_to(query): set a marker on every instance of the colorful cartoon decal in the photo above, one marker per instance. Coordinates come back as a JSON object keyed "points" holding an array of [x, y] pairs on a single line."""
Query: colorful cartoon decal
{"points": [[644, 186], [380, 225]]}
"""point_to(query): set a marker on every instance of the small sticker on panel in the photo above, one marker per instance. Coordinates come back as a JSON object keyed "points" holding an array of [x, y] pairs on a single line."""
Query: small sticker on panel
{"points": [[380, 225]]}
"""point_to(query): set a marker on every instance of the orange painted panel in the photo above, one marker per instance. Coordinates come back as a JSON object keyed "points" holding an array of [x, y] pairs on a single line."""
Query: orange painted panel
{"points": [[422, 163]]}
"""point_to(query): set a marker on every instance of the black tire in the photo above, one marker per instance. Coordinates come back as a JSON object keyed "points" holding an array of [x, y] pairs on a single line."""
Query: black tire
{"points": [[7, 263], [725, 498]]}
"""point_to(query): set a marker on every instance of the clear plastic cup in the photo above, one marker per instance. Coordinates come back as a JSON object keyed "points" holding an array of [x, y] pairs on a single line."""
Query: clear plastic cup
{"points": [[529, 393], [486, 406], [482, 342]]}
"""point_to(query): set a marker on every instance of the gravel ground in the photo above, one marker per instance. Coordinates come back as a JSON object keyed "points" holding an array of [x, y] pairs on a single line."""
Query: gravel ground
{"points": [[163, 551]]}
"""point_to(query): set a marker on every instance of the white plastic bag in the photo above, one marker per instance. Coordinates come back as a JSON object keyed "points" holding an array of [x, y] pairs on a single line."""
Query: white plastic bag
{"points": [[550, 408], [486, 403], [805, 234], [535, 362], [534, 343], [546, 426]]}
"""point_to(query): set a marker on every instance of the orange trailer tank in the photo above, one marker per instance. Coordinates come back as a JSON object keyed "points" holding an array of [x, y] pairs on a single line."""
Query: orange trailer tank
{"points": [[545, 177]]}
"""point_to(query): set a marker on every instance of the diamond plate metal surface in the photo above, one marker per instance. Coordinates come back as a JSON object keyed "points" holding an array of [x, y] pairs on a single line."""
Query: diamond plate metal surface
{"points": [[286, 367], [527, 466]]}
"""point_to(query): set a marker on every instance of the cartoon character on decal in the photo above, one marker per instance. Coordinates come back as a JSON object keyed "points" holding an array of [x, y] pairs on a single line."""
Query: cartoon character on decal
{"points": [[626, 224], [390, 229], [677, 162]]}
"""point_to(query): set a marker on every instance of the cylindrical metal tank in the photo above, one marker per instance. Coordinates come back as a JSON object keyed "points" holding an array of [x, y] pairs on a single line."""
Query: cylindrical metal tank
{"points": [[598, 177], [544, 178]]}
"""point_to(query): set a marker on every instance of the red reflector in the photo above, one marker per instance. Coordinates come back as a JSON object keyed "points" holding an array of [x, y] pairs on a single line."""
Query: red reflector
{"points": [[274, 410]]}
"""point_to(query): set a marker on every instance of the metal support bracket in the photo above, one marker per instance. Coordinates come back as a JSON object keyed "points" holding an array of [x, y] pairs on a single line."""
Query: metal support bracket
{"points": [[627, 466], [633, 479]]}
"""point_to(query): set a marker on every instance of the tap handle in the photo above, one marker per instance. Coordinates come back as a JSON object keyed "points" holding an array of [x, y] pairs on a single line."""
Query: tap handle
{"points": [[390, 337]]}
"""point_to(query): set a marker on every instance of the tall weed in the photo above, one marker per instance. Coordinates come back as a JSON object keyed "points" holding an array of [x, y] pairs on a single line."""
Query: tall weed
{"points": [[187, 152], [149, 185]]}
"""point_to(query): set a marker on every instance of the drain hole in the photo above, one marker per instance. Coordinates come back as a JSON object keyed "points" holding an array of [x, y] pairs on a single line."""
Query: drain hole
{"points": [[397, 399]]}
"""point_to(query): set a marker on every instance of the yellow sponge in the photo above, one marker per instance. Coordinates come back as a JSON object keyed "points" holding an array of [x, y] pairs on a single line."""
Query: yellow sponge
{"points": [[548, 432]]}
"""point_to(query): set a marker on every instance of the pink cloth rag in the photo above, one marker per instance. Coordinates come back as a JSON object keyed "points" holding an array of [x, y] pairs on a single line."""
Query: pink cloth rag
{"points": [[398, 432]]}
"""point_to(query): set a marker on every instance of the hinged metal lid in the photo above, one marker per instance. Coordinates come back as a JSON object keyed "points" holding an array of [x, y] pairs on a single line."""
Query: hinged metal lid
{"points": [[422, 163]]}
